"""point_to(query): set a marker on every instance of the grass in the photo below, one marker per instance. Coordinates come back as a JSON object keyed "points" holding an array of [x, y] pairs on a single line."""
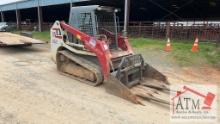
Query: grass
{"points": [[44, 36], [209, 53]]}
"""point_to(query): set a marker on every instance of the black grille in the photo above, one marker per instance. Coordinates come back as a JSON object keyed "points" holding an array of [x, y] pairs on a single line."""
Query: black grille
{"points": [[131, 61], [130, 70]]}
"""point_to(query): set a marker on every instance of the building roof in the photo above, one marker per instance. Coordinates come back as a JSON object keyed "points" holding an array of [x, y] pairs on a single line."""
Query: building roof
{"points": [[24, 4], [155, 10]]}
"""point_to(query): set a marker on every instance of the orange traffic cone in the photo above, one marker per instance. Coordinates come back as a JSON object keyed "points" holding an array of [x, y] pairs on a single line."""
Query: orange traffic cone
{"points": [[168, 47], [195, 47]]}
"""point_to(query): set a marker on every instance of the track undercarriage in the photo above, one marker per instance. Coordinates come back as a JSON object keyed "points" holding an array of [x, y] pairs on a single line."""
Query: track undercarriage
{"points": [[127, 82], [79, 68]]}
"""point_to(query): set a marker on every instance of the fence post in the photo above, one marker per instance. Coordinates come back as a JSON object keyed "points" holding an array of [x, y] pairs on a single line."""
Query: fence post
{"points": [[152, 31], [139, 30], [168, 29]]}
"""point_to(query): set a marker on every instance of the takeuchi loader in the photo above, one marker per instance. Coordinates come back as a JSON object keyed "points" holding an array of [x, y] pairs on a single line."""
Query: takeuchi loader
{"points": [[90, 49]]}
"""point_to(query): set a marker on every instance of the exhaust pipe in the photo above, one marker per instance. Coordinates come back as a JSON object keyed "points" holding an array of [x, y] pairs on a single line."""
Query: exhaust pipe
{"points": [[126, 17]]}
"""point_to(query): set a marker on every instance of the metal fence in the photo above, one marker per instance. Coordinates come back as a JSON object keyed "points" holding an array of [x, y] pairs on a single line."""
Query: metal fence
{"points": [[34, 26], [182, 31], [178, 30]]}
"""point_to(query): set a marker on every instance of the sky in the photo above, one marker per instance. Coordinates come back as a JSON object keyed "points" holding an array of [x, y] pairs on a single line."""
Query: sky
{"points": [[7, 1]]}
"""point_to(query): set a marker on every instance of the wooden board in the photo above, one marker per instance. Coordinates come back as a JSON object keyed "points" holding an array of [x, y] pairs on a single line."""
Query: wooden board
{"points": [[9, 39]]}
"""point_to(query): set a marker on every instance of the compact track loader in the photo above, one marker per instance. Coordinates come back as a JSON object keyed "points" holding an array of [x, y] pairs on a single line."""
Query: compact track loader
{"points": [[90, 49]]}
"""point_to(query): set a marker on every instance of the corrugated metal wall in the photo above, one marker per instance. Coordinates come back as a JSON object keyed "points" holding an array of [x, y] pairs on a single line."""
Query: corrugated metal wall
{"points": [[34, 3]]}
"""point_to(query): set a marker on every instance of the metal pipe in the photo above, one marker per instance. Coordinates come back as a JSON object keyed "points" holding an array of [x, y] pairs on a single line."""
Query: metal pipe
{"points": [[18, 18], [2, 16], [39, 14], [116, 29], [71, 4], [126, 17]]}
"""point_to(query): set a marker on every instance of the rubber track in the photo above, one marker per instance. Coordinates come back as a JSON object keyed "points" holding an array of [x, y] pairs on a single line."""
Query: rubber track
{"points": [[85, 64]]}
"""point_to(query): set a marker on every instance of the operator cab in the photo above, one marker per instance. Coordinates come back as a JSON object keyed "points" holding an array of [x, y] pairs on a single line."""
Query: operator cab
{"points": [[100, 22]]}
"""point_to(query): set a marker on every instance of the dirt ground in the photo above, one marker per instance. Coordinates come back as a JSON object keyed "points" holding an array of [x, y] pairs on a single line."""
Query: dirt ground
{"points": [[33, 92]]}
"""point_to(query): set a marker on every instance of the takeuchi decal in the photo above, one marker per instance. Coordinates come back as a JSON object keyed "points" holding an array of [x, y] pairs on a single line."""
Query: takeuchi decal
{"points": [[57, 33]]}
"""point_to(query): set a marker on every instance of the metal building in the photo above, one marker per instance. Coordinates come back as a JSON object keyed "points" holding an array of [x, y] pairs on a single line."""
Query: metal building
{"points": [[26, 4]]}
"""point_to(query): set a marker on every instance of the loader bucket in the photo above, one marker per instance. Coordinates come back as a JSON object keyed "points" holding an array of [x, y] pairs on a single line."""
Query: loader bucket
{"points": [[136, 80], [152, 73], [115, 87]]}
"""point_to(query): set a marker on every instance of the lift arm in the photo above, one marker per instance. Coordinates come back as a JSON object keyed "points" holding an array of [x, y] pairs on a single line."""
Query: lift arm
{"points": [[98, 47]]}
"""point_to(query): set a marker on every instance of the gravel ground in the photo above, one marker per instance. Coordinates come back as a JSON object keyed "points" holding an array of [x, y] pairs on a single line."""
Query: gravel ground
{"points": [[33, 92]]}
